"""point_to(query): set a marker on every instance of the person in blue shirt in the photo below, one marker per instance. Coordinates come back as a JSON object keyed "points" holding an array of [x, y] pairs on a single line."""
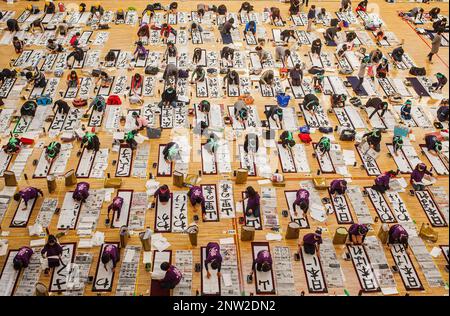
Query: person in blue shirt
{"points": [[250, 27]]}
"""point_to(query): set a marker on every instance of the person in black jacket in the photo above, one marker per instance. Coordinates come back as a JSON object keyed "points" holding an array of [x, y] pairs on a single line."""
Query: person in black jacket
{"points": [[441, 82], [36, 77], [274, 112], [374, 139], [397, 54], [61, 107], [12, 25], [443, 113], [434, 13], [169, 98], [316, 46], [287, 139], [378, 105]]}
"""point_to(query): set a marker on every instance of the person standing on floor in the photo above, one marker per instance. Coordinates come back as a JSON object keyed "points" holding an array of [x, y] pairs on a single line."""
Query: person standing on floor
{"points": [[435, 46], [362, 73], [311, 18], [214, 258], [316, 46]]}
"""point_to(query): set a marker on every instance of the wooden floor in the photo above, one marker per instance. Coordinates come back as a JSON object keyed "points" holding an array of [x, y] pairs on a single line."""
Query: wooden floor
{"points": [[123, 37]]}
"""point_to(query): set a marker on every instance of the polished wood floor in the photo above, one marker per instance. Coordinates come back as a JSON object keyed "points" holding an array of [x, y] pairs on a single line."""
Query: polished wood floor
{"points": [[123, 37]]}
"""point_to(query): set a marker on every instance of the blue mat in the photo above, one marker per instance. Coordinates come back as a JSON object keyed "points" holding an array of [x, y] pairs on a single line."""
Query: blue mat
{"points": [[418, 87], [354, 82]]}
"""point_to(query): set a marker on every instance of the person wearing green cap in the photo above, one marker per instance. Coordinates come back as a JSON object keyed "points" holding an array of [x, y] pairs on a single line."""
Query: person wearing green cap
{"points": [[433, 144], [378, 105], [169, 98], [310, 102], [28, 108], [405, 110], [374, 139], [212, 143], [397, 143], [323, 145], [91, 141], [129, 138], [13, 146], [171, 152], [287, 139], [52, 151], [441, 82], [240, 111]]}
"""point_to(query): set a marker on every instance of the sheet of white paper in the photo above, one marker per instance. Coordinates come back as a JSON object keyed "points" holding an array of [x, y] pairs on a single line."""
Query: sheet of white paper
{"points": [[435, 252]]}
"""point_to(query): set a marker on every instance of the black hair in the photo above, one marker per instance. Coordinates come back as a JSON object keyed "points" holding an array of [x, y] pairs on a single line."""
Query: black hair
{"points": [[265, 267], [106, 257], [17, 264], [250, 191], [214, 265], [17, 197], [165, 266], [303, 206], [51, 239]]}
